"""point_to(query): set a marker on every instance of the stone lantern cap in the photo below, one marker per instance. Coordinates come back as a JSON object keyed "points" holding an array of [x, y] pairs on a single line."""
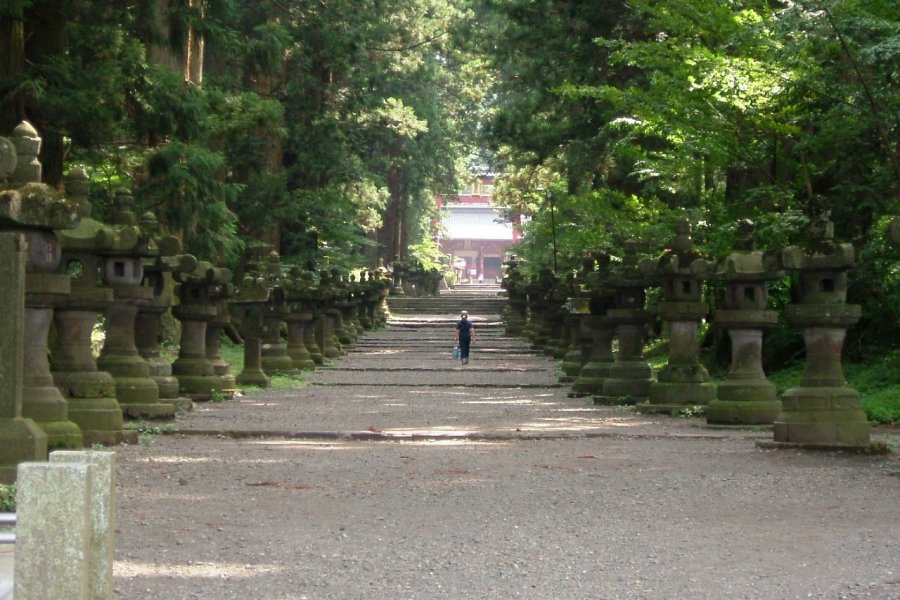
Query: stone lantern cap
{"points": [[25, 202], [628, 284], [252, 290], [822, 264], [681, 269], [747, 263], [820, 252], [92, 236], [300, 284]]}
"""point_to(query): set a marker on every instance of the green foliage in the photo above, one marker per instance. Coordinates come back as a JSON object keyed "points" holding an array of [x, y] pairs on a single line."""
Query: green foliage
{"points": [[146, 429], [186, 191], [8, 497]]}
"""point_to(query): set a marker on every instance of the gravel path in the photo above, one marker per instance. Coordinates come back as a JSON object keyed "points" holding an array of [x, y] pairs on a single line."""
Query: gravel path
{"points": [[396, 473]]}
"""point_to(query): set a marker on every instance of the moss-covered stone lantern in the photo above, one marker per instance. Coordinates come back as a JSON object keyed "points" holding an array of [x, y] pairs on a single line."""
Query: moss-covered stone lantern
{"points": [[823, 411], [629, 377], [745, 396], [683, 381]]}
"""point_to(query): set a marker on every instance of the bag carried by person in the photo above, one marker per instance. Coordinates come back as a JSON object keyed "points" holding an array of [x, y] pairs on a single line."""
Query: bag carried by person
{"points": [[455, 352]]}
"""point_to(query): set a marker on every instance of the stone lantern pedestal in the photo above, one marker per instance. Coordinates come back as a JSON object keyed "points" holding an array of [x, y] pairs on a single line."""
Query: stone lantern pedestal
{"points": [[823, 411], [21, 439], [596, 370], [214, 330], [629, 378], [136, 391]]}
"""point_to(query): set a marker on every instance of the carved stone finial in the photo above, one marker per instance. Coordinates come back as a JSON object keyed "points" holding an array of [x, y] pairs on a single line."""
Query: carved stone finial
{"points": [[28, 146]]}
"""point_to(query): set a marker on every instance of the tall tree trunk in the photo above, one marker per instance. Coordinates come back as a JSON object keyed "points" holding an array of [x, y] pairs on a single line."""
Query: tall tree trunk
{"points": [[12, 65], [45, 41]]}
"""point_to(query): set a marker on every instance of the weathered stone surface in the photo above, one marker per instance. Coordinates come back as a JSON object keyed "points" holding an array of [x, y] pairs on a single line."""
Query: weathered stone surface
{"points": [[53, 531], [822, 411], [102, 503], [683, 381]]}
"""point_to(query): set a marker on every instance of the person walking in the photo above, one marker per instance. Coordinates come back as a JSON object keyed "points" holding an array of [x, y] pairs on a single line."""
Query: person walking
{"points": [[465, 335]]}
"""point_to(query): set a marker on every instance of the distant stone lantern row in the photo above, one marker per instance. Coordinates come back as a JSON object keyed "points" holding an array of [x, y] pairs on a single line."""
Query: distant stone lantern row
{"points": [[608, 304], [64, 269]]}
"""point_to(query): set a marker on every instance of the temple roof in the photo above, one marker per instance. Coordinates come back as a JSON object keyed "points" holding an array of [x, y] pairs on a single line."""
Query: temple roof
{"points": [[474, 222]]}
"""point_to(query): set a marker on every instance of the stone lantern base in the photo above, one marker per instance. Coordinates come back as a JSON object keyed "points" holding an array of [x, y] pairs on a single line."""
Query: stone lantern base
{"points": [[668, 397], [22, 440], [822, 416], [752, 402]]}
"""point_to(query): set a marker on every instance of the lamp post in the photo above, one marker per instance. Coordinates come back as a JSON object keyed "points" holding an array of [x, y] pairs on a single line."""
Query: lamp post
{"points": [[553, 227]]}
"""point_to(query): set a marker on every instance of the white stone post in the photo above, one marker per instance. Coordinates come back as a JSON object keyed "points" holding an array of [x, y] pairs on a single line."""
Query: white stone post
{"points": [[53, 531], [102, 517]]}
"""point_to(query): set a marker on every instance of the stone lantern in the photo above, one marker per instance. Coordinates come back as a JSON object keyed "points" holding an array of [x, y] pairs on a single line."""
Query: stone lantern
{"points": [[157, 277], [123, 270], [629, 377], [556, 321], [823, 411], [90, 392], [21, 439], [382, 285], [298, 285], [327, 337], [745, 396], [199, 293], [248, 306], [578, 307], [516, 311], [683, 381], [275, 357], [596, 369], [37, 212]]}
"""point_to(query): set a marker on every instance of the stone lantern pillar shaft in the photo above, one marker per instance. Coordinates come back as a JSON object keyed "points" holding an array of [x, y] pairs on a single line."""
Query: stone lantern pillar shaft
{"points": [[20, 438]]}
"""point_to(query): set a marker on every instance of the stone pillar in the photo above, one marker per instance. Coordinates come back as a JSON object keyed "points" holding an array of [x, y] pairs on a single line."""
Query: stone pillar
{"points": [[53, 531], [192, 368], [571, 365], [823, 411], [20, 438], [42, 401], [630, 376], [102, 524]]}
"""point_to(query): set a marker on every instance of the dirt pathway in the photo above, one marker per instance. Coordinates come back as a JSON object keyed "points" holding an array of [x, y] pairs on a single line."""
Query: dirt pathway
{"points": [[397, 473]]}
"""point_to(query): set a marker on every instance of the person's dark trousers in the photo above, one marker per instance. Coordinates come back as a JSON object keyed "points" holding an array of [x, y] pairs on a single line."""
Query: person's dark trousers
{"points": [[464, 343]]}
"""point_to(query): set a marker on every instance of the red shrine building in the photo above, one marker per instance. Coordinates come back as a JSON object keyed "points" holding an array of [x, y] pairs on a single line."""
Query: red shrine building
{"points": [[473, 233]]}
